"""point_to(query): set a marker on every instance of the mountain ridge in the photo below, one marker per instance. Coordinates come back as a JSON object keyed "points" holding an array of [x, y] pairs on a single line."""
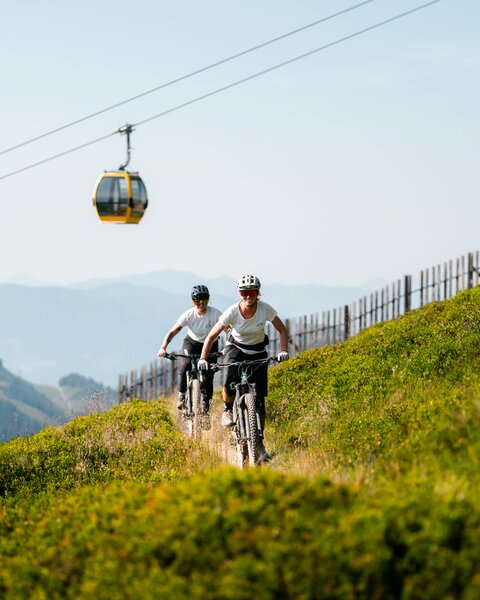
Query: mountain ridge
{"points": [[105, 327], [26, 408]]}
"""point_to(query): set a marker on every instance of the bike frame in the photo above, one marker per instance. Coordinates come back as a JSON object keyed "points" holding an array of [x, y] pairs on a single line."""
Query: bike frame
{"points": [[247, 423], [195, 398]]}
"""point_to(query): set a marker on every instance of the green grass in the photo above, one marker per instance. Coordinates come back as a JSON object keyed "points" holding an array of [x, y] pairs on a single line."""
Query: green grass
{"points": [[374, 491], [132, 441], [399, 396]]}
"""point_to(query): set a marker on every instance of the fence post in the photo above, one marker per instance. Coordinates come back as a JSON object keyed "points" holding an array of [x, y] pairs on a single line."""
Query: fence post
{"points": [[154, 380], [173, 372], [427, 286], [346, 321], [322, 330], [120, 390], [445, 285], [457, 277], [439, 282], [287, 327], [133, 383], [407, 285], [477, 256], [470, 271], [450, 277], [394, 300]]}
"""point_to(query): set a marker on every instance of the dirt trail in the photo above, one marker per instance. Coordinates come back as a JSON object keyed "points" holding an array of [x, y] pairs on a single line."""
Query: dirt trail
{"points": [[217, 437]]}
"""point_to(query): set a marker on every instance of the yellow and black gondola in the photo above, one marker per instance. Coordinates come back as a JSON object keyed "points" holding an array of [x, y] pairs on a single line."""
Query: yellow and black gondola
{"points": [[120, 196]]}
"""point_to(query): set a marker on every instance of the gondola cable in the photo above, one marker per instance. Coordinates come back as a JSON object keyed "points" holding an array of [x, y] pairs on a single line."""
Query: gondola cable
{"points": [[187, 76], [231, 85]]}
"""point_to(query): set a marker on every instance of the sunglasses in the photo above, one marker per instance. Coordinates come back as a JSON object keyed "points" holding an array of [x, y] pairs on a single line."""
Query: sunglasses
{"points": [[248, 293], [200, 300]]}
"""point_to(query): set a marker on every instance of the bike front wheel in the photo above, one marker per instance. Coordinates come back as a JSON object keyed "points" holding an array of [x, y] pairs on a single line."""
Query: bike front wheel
{"points": [[195, 418], [251, 426]]}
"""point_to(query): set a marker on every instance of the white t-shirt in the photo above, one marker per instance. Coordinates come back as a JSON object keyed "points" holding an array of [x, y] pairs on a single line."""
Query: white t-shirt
{"points": [[248, 331], [199, 325]]}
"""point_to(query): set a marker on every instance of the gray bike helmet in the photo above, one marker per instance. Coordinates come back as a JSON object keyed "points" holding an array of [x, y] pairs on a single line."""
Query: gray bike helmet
{"points": [[248, 282], [200, 292]]}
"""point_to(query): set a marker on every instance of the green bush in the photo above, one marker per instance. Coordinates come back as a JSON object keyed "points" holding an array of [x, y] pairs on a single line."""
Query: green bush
{"points": [[135, 440], [385, 425], [241, 535]]}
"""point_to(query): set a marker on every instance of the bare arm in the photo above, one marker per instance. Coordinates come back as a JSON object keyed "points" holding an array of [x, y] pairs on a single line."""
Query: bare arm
{"points": [[168, 338], [282, 330], [211, 337]]}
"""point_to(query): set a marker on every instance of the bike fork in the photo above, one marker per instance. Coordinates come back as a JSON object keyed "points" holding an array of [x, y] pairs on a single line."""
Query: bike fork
{"points": [[240, 419]]}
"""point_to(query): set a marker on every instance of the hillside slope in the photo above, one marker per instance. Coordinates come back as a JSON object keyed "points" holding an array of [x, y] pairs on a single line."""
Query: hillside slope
{"points": [[385, 425], [23, 408], [26, 408], [108, 327], [404, 392]]}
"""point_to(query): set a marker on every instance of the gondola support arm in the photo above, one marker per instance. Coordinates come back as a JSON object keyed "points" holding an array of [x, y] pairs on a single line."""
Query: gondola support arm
{"points": [[126, 130]]}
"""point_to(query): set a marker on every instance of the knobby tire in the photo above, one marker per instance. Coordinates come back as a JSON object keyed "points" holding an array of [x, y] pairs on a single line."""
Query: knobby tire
{"points": [[196, 419], [254, 458], [240, 443]]}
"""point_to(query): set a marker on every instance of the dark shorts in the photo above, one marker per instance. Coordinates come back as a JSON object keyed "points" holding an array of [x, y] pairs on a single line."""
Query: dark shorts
{"points": [[259, 375], [194, 347]]}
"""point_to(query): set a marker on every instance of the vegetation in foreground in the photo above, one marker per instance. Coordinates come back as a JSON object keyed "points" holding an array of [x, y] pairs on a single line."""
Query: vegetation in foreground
{"points": [[374, 491]]}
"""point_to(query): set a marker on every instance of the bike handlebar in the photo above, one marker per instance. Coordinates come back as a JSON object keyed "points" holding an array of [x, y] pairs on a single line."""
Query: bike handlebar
{"points": [[244, 363], [175, 355]]}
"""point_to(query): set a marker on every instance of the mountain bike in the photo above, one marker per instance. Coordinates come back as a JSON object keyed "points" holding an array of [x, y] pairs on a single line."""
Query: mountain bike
{"points": [[196, 410], [246, 431]]}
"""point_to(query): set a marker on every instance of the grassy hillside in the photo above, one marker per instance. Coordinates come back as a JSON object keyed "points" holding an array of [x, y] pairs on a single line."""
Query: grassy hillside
{"points": [[402, 397], [26, 408], [374, 490]]}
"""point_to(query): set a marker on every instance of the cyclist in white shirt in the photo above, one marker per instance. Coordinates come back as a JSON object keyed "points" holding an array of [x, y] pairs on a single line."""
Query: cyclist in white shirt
{"points": [[199, 320], [246, 322]]}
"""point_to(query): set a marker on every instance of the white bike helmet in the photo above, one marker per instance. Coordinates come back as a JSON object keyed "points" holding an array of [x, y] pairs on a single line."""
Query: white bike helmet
{"points": [[248, 282]]}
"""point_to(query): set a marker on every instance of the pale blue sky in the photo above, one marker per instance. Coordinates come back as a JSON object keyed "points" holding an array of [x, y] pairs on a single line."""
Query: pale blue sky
{"points": [[355, 164]]}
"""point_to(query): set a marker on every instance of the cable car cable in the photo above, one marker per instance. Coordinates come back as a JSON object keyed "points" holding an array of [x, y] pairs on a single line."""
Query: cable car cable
{"points": [[45, 160], [285, 63], [233, 84], [187, 76]]}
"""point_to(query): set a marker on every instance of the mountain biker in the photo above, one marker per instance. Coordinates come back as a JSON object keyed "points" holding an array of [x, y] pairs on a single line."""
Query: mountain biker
{"points": [[199, 320], [246, 341]]}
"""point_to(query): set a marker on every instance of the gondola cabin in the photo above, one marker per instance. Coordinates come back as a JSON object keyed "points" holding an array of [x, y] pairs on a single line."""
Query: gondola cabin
{"points": [[120, 197]]}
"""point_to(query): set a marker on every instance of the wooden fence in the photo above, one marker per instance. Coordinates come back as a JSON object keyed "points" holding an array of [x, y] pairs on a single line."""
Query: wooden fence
{"points": [[438, 282]]}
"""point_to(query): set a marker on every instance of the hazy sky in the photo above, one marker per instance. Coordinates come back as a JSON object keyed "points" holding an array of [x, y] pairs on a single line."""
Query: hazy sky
{"points": [[357, 163]]}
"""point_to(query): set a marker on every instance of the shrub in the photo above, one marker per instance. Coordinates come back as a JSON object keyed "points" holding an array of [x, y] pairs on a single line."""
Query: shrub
{"points": [[135, 440]]}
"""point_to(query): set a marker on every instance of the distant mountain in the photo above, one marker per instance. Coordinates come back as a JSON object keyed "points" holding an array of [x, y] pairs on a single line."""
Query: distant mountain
{"points": [[25, 408], [106, 327], [24, 279], [290, 300]]}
